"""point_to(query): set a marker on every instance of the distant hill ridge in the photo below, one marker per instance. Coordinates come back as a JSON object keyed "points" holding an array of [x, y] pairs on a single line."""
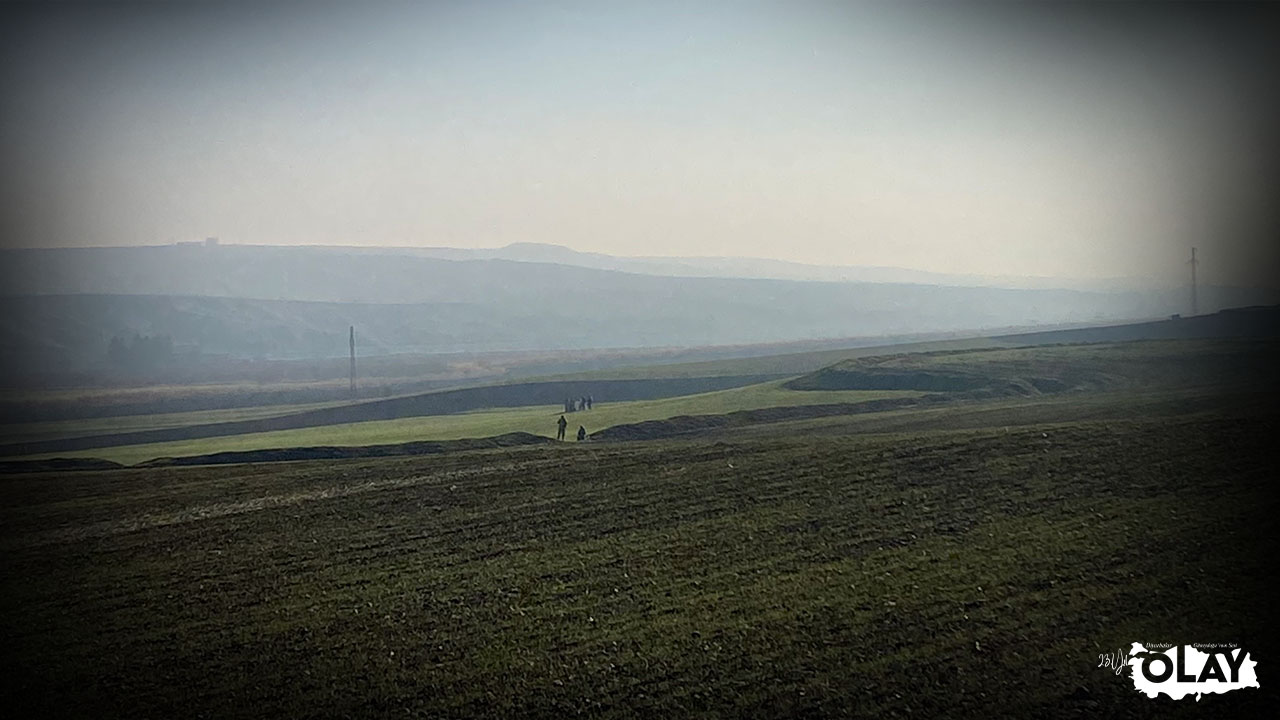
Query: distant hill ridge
{"points": [[66, 304], [395, 274]]}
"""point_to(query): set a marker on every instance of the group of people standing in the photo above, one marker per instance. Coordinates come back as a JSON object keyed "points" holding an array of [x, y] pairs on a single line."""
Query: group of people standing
{"points": [[582, 403], [570, 405]]}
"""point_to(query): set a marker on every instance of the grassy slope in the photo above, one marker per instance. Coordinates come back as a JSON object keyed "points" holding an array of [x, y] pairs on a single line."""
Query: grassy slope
{"points": [[1149, 363], [1130, 367], [1013, 413], [537, 420], [786, 364], [792, 363], [167, 399], [960, 572], [25, 432]]}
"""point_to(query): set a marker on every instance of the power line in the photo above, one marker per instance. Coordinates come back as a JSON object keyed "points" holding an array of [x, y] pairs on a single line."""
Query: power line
{"points": [[1194, 299], [353, 359]]}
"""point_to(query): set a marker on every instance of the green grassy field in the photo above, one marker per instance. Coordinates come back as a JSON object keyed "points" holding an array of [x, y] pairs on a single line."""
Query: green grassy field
{"points": [[59, 411], [783, 364], [540, 420], [951, 567], [24, 432], [791, 363], [1055, 368], [1161, 366]]}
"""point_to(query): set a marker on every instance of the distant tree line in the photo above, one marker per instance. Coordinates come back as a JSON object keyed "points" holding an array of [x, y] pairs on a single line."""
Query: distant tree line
{"points": [[141, 352]]}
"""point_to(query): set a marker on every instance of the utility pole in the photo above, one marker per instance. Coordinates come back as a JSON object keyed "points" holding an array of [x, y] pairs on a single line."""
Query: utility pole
{"points": [[1194, 300], [353, 359]]}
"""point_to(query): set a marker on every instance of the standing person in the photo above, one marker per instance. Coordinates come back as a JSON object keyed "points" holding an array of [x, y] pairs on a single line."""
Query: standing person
{"points": [[590, 401], [582, 433], [561, 424]]}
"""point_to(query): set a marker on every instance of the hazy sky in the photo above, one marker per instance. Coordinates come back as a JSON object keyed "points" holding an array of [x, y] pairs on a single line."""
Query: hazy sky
{"points": [[1075, 141]]}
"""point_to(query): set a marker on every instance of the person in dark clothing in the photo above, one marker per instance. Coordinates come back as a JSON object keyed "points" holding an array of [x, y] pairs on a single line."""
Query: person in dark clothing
{"points": [[582, 433], [589, 402], [561, 424]]}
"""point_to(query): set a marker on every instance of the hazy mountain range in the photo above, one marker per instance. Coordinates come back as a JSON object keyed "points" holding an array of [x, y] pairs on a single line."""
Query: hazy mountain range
{"points": [[745, 267], [63, 306]]}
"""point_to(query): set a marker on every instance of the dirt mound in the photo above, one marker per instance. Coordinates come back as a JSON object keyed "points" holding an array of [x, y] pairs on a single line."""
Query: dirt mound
{"points": [[691, 424], [362, 451], [992, 372], [874, 378], [1049, 369], [57, 465]]}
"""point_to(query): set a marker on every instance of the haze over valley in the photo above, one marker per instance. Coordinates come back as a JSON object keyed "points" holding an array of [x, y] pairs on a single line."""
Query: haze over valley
{"points": [[566, 358], [265, 302]]}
